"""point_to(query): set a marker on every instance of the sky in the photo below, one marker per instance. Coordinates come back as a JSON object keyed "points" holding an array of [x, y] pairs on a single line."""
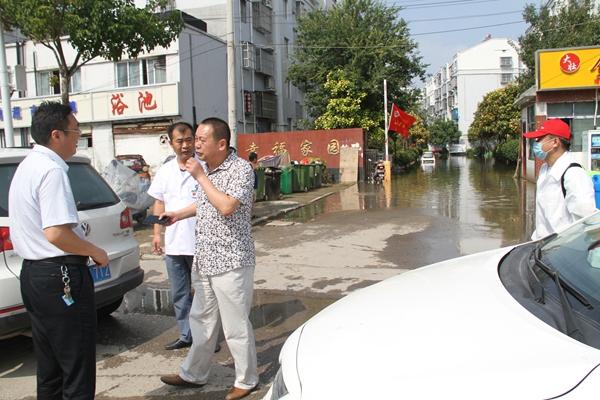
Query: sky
{"points": [[426, 16]]}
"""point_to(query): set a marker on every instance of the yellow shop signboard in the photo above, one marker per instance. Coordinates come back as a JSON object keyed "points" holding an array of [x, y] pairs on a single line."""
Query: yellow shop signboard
{"points": [[573, 68]]}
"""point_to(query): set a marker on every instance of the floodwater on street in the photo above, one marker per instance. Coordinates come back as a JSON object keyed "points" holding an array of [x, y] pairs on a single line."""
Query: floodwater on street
{"points": [[493, 208]]}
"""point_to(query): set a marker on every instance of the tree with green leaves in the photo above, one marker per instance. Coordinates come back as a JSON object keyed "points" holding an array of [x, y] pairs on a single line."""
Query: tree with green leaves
{"points": [[497, 118], [575, 24], [369, 42], [443, 132], [95, 28], [345, 106], [419, 132]]}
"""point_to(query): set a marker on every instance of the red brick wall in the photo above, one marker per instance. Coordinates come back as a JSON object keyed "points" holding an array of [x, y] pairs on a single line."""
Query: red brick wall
{"points": [[320, 143], [566, 96]]}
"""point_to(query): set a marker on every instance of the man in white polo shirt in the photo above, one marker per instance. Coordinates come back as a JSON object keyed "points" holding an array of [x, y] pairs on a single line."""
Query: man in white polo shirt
{"points": [[174, 188], [56, 284]]}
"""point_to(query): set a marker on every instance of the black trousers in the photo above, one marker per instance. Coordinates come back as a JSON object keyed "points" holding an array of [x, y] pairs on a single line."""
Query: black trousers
{"points": [[64, 337]]}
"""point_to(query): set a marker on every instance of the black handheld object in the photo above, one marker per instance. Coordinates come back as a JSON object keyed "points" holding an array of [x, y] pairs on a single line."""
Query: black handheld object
{"points": [[153, 219]]}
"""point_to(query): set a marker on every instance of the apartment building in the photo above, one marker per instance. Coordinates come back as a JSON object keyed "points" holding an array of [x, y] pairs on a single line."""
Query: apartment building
{"points": [[124, 107], [555, 5], [265, 33], [455, 91]]}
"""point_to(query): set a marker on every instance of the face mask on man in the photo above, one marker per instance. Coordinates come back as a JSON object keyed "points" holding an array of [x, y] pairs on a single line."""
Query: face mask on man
{"points": [[538, 152]]}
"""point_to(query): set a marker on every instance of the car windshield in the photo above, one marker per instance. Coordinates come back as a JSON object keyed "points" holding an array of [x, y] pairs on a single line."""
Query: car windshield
{"points": [[89, 189], [428, 154], [575, 254]]}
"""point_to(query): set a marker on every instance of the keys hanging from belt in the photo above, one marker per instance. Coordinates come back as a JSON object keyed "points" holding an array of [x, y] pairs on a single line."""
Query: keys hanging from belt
{"points": [[67, 298]]}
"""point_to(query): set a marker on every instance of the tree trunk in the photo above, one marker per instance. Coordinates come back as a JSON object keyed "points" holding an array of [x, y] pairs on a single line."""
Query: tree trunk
{"points": [[64, 87]]}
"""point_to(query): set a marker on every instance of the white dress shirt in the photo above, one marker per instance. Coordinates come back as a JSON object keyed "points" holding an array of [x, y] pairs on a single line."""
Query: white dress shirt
{"points": [[40, 196], [177, 189], [554, 211]]}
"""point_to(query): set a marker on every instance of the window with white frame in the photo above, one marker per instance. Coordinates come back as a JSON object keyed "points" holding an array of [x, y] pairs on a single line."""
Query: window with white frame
{"points": [[147, 71], [506, 62], [48, 82], [506, 78], [75, 81]]}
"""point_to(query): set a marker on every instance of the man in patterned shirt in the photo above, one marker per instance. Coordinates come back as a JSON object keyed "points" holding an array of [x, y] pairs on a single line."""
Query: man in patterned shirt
{"points": [[224, 260]]}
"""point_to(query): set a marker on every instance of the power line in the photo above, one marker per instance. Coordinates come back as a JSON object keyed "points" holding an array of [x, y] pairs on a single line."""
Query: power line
{"points": [[466, 29], [445, 4], [456, 17], [463, 17]]}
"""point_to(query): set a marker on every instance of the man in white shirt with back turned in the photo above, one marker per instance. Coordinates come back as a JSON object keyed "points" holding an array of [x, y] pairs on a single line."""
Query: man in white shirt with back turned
{"points": [[564, 192], [56, 284]]}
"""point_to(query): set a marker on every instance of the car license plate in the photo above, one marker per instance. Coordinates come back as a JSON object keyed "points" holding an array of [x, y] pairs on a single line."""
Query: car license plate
{"points": [[100, 273]]}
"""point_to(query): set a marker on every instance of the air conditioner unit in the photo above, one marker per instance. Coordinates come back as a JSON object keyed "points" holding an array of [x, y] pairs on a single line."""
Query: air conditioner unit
{"points": [[269, 83], [19, 78]]}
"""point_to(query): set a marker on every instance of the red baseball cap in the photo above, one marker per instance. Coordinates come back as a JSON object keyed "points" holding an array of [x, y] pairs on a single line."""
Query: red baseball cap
{"points": [[554, 127]]}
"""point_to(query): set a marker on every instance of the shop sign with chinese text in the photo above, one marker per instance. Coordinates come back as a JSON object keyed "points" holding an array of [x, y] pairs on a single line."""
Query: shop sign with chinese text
{"points": [[572, 68]]}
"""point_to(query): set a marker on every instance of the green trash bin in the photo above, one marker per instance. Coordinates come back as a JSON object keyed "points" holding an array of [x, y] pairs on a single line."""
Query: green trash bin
{"points": [[260, 185], [311, 176], [285, 182], [318, 175], [300, 178]]}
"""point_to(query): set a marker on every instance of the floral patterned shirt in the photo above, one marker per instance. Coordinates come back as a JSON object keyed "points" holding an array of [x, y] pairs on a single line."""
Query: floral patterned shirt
{"points": [[225, 243]]}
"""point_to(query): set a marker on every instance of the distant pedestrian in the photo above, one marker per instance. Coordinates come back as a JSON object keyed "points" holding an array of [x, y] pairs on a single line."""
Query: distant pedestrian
{"points": [[253, 158], [56, 284], [173, 188], [223, 275], [564, 192]]}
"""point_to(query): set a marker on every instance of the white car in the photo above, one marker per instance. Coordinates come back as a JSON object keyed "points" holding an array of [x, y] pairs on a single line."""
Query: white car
{"points": [[105, 221], [428, 158], [493, 325]]}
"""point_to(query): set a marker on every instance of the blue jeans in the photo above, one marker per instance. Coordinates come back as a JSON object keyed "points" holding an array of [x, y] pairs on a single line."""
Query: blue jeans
{"points": [[179, 269]]}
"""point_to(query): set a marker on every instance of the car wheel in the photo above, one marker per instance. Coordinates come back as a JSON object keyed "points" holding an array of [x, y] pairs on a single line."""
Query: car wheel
{"points": [[108, 309]]}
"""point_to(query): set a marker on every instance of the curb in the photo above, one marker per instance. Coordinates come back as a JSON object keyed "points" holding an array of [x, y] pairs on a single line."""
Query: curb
{"points": [[260, 220]]}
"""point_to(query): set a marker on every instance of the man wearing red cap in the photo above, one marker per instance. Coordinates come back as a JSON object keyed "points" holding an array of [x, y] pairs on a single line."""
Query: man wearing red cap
{"points": [[563, 194]]}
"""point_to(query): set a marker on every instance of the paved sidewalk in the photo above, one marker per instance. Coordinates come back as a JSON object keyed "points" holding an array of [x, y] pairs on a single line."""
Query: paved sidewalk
{"points": [[262, 212], [266, 210]]}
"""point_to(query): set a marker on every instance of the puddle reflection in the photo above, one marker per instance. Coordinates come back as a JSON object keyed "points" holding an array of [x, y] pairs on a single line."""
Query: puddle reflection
{"points": [[483, 196], [269, 309]]}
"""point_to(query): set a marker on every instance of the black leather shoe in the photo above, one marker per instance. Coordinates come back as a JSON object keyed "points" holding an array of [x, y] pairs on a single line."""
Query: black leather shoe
{"points": [[177, 344]]}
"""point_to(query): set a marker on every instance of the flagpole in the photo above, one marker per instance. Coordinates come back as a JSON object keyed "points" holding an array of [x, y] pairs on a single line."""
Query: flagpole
{"points": [[386, 119]]}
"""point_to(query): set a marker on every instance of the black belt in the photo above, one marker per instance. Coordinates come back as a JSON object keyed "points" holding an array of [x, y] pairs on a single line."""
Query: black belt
{"points": [[70, 259]]}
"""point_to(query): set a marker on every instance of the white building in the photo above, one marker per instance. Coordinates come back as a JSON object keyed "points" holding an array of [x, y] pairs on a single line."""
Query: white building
{"points": [[455, 91], [264, 35], [555, 5], [125, 107]]}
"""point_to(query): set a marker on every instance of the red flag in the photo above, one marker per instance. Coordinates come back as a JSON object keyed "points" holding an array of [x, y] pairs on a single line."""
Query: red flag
{"points": [[400, 121]]}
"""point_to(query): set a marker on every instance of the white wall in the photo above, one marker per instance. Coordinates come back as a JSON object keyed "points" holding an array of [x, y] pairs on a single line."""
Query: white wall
{"points": [[208, 59], [471, 90], [102, 145], [479, 73], [149, 146]]}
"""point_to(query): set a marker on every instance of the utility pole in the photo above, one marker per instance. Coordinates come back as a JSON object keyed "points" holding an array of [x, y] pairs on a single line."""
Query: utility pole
{"points": [[5, 93], [388, 166], [231, 92], [386, 119]]}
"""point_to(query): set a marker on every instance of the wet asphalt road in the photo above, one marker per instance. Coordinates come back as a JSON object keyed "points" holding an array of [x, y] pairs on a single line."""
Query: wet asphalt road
{"points": [[305, 261]]}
